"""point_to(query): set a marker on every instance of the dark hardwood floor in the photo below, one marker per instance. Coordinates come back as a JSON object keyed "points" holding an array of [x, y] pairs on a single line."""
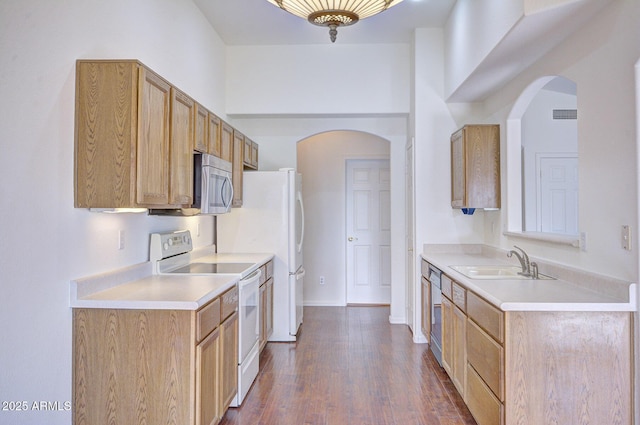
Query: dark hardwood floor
{"points": [[350, 366]]}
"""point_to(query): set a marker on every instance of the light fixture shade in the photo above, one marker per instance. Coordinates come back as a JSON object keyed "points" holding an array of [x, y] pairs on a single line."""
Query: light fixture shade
{"points": [[334, 13]]}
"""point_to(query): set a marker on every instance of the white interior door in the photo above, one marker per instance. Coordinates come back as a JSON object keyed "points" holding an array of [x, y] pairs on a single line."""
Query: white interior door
{"points": [[368, 232], [558, 194]]}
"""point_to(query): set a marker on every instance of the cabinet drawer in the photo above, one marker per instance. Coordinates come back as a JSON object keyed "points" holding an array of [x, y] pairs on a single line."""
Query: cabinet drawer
{"points": [[459, 296], [487, 358], [207, 319], [483, 405], [445, 282], [229, 302], [487, 316], [424, 268]]}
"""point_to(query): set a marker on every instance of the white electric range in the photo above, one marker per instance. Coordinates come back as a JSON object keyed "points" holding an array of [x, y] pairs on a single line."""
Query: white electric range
{"points": [[171, 254]]}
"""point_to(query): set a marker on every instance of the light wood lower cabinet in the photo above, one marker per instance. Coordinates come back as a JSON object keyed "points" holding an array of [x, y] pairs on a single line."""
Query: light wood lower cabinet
{"points": [[530, 367], [454, 328], [208, 411], [229, 360], [266, 304], [154, 366]]}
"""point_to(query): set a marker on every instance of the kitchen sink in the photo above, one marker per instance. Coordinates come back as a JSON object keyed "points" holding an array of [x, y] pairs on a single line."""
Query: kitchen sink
{"points": [[495, 272]]}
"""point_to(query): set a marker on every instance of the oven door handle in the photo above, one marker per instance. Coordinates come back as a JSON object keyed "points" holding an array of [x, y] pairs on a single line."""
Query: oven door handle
{"points": [[251, 278]]}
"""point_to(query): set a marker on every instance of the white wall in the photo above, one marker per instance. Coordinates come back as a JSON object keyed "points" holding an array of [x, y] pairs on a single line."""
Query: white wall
{"points": [[46, 242], [600, 58], [322, 162], [319, 79], [473, 29]]}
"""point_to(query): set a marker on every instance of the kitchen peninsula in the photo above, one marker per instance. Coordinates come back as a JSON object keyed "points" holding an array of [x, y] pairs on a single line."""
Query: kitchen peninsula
{"points": [[534, 351], [157, 348]]}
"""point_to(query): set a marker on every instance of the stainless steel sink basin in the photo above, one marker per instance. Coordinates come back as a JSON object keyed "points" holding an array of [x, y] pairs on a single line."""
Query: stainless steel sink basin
{"points": [[494, 272]]}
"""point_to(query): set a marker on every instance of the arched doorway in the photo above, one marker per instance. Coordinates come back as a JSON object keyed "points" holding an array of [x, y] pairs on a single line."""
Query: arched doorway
{"points": [[321, 159]]}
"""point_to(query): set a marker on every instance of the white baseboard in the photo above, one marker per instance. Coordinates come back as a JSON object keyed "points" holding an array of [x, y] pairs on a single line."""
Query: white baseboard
{"points": [[397, 320]]}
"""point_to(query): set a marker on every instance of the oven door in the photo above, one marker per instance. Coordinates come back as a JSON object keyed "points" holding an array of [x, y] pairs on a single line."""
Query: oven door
{"points": [[249, 294]]}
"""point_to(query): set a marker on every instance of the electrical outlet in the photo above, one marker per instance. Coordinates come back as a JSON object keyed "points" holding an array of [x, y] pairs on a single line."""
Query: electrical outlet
{"points": [[626, 237], [120, 239], [321, 280]]}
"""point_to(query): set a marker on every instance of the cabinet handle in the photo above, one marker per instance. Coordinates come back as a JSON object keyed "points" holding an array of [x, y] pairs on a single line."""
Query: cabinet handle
{"points": [[351, 239]]}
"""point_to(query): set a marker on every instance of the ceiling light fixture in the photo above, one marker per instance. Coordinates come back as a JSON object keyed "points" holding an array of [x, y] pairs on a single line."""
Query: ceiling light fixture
{"points": [[334, 13]]}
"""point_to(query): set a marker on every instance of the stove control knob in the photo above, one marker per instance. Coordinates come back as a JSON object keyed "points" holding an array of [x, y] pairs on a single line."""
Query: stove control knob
{"points": [[165, 246]]}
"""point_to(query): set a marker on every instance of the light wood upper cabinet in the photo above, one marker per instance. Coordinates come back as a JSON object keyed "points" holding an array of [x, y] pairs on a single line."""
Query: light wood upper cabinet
{"points": [[475, 167], [238, 167], [201, 134], [226, 142], [250, 154], [130, 151], [135, 135], [215, 135], [183, 112], [152, 171]]}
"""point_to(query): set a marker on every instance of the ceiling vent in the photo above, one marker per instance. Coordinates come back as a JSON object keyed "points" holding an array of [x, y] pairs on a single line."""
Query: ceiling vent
{"points": [[565, 114]]}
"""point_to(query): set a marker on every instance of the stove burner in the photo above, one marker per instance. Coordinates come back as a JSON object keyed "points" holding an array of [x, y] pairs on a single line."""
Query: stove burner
{"points": [[211, 268]]}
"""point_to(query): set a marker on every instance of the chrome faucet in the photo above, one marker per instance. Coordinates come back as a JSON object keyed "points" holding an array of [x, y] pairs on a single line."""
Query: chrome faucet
{"points": [[524, 263]]}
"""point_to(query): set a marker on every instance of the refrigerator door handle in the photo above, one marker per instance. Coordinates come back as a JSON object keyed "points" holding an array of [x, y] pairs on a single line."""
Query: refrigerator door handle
{"points": [[300, 273], [299, 199]]}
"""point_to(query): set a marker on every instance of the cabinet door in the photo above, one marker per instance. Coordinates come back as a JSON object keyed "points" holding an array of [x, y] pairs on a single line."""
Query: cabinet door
{"points": [[106, 98], [447, 335], [207, 380], [229, 361], [226, 142], [238, 167], [215, 134], [181, 158], [457, 170], [425, 323], [459, 345], [246, 156], [201, 134], [269, 313], [263, 316], [152, 167]]}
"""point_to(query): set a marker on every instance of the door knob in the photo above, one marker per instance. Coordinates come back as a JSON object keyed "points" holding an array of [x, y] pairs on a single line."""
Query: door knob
{"points": [[351, 239]]}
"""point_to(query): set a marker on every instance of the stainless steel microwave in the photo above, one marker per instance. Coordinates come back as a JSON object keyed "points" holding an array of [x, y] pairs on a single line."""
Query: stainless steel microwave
{"points": [[213, 188]]}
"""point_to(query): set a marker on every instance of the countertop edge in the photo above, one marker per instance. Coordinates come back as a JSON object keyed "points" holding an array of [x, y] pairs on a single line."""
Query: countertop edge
{"points": [[628, 305]]}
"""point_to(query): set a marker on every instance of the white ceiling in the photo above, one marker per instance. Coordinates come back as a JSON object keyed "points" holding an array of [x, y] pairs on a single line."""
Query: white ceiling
{"points": [[258, 22]]}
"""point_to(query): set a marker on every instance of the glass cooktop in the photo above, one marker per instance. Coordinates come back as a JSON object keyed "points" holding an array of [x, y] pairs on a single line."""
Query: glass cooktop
{"points": [[211, 268]]}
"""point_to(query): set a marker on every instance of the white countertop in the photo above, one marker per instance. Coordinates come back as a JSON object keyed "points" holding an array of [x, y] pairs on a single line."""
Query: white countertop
{"points": [[135, 287], [160, 292], [529, 294]]}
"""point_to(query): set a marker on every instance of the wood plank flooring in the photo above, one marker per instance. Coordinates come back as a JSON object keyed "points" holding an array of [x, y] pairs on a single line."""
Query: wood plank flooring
{"points": [[350, 366]]}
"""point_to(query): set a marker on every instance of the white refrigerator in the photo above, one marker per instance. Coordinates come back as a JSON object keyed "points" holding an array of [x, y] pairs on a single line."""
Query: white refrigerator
{"points": [[271, 219]]}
